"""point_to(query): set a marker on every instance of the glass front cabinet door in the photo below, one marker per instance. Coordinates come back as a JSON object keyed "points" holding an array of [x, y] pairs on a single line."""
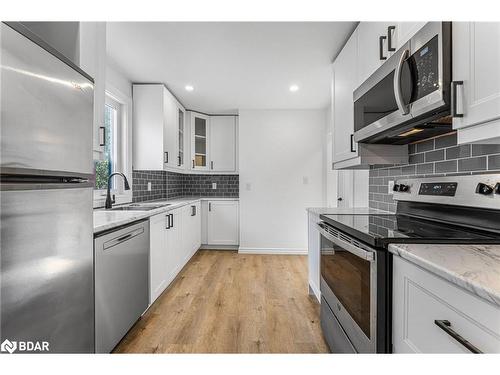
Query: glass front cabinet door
{"points": [[199, 141]]}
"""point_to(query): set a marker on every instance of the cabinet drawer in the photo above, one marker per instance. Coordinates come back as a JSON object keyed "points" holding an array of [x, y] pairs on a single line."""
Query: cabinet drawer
{"points": [[420, 298]]}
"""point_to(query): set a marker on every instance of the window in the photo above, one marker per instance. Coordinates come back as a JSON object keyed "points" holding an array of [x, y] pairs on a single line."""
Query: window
{"points": [[103, 168], [117, 151]]}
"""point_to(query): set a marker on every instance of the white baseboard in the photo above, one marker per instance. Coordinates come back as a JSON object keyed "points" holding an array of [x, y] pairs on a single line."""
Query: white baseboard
{"points": [[271, 251], [219, 247]]}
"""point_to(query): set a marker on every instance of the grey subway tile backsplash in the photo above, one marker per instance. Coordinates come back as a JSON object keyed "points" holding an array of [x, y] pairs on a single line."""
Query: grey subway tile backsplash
{"points": [[440, 156], [169, 185], [472, 164]]}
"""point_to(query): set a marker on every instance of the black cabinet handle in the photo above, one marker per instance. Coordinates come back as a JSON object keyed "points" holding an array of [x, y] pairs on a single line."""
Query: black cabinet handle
{"points": [[193, 210], [339, 199], [381, 47], [102, 141], [168, 222], [211, 165], [209, 206], [352, 143], [454, 86], [390, 31], [171, 220], [179, 161], [165, 157], [193, 163], [445, 325]]}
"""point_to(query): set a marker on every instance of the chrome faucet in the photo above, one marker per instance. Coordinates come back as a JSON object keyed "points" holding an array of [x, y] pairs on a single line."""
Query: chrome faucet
{"points": [[109, 202]]}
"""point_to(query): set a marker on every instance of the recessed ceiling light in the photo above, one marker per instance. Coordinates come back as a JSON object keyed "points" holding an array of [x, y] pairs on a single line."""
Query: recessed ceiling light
{"points": [[294, 88], [189, 88]]}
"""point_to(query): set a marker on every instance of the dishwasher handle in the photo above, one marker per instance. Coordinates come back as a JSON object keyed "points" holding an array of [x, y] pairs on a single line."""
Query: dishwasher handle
{"points": [[123, 238]]}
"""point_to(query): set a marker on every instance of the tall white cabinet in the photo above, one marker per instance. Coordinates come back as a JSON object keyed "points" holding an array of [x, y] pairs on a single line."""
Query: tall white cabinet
{"points": [[476, 73], [223, 143]]}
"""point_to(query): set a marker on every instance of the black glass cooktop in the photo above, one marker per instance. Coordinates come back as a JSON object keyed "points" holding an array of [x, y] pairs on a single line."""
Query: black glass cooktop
{"points": [[382, 229]]}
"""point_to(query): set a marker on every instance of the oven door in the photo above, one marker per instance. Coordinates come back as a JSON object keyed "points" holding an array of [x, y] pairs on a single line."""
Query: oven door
{"points": [[349, 286]]}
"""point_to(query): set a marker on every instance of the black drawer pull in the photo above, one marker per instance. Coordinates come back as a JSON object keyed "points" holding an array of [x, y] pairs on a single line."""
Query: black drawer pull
{"points": [[445, 325], [390, 32]]}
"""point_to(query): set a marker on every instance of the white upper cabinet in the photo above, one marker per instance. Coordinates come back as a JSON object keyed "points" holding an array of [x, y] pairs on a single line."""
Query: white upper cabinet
{"points": [[373, 47], [156, 128], [405, 30], [223, 143], [200, 134], [93, 61], [476, 76], [345, 81]]}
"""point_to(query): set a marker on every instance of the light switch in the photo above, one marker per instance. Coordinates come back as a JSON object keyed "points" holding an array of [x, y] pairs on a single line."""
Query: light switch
{"points": [[248, 186], [149, 186]]}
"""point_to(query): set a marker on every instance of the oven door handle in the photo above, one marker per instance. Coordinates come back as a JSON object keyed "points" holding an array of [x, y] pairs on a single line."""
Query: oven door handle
{"points": [[363, 254], [404, 108]]}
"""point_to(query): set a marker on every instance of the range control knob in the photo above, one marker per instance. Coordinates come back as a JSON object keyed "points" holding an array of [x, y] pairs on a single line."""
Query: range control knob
{"points": [[404, 188], [497, 188], [395, 187], [484, 189]]}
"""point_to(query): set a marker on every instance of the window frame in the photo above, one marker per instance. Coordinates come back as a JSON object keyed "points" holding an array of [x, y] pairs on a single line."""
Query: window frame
{"points": [[122, 151]]}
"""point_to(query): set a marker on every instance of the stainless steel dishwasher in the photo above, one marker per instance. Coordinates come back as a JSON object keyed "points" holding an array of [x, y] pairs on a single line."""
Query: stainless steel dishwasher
{"points": [[121, 282]]}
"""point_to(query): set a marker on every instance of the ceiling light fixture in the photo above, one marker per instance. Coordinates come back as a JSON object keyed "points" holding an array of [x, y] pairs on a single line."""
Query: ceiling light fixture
{"points": [[189, 88], [294, 88]]}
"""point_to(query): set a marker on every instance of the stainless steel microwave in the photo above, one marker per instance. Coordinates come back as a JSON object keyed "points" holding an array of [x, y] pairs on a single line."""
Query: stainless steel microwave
{"points": [[408, 98]]}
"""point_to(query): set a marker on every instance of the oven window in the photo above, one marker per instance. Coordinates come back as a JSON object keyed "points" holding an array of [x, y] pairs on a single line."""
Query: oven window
{"points": [[348, 276]]}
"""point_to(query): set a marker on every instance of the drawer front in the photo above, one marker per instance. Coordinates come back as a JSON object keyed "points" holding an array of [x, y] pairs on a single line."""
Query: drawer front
{"points": [[420, 298]]}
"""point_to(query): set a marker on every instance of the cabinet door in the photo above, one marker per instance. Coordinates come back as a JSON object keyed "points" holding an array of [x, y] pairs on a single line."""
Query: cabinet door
{"points": [[181, 115], [345, 79], [148, 127], [222, 143], [223, 222], [476, 62], [195, 226], [199, 141], [174, 243], [171, 128], [372, 51], [405, 30], [313, 257], [93, 61], [158, 256]]}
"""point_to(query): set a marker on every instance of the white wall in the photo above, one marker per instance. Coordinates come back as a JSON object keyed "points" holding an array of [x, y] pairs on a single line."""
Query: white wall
{"points": [[281, 155], [331, 175]]}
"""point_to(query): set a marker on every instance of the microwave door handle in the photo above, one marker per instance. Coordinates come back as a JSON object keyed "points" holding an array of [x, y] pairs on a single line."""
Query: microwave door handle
{"points": [[363, 254], [404, 108]]}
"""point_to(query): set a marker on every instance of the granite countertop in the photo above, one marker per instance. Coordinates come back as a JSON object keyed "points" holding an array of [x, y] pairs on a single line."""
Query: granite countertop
{"points": [[475, 268], [345, 211], [107, 219]]}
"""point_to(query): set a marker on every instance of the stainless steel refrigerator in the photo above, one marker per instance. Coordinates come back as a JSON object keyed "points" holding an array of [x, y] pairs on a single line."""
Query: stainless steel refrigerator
{"points": [[46, 192]]}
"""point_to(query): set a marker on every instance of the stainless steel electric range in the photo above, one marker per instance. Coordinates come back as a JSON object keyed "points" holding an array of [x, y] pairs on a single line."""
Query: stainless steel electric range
{"points": [[356, 268]]}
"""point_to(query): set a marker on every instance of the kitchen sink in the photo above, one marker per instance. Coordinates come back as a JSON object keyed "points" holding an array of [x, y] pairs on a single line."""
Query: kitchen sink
{"points": [[139, 207]]}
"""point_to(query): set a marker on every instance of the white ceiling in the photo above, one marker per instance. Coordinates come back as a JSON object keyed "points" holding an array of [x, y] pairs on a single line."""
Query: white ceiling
{"points": [[232, 65]]}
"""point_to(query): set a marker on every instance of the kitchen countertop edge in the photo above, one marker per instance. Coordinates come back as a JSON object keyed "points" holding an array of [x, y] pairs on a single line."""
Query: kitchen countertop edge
{"points": [[126, 217], [476, 282]]}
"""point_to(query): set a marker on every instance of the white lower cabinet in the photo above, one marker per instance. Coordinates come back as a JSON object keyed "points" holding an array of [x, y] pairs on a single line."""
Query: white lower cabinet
{"points": [[422, 301], [175, 236], [158, 256], [223, 222], [313, 254]]}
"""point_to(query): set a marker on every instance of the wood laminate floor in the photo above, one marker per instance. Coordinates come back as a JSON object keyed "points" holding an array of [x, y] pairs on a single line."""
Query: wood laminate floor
{"points": [[225, 302]]}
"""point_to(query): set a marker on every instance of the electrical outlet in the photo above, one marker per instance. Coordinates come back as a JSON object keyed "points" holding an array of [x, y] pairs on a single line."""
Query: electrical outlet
{"points": [[214, 185], [149, 186], [390, 186]]}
